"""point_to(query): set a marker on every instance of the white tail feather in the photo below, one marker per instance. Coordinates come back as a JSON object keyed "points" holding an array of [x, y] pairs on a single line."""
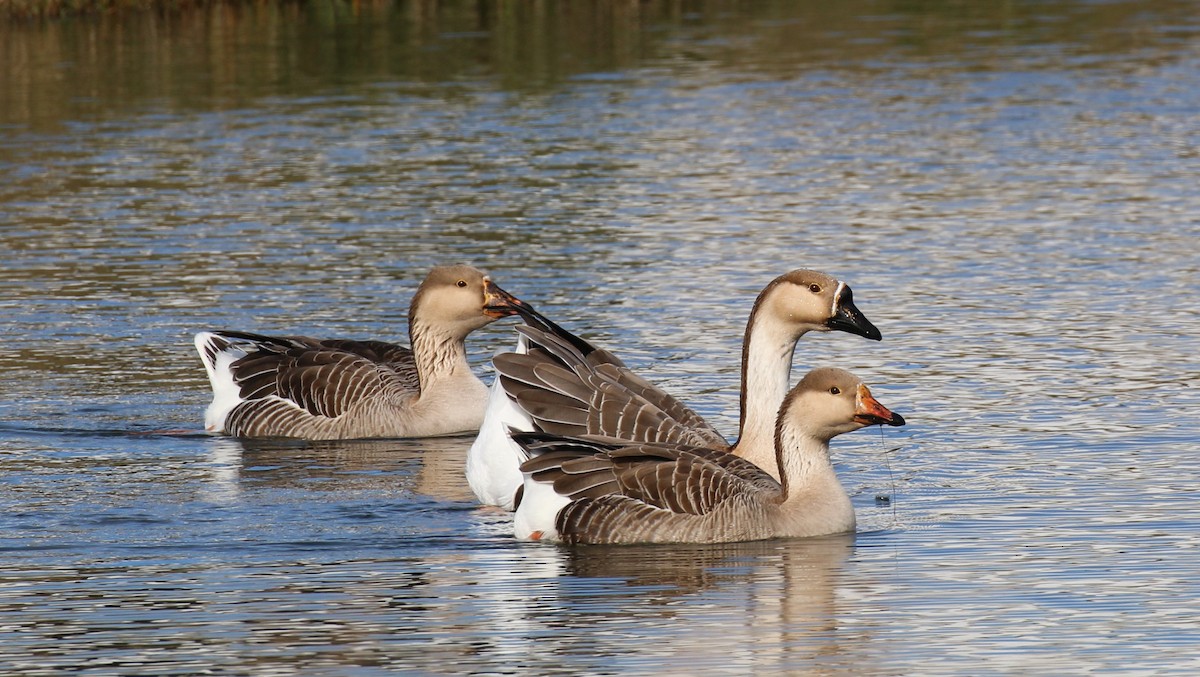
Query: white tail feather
{"points": [[494, 460], [536, 516], [217, 355]]}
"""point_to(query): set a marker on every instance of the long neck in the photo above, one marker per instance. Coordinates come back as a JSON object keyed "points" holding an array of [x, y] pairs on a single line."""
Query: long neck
{"points": [[802, 460], [812, 500], [766, 365], [437, 353]]}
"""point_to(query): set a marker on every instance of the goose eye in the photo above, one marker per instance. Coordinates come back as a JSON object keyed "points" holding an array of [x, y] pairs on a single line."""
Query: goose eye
{"points": [[461, 283], [835, 391], [814, 288]]}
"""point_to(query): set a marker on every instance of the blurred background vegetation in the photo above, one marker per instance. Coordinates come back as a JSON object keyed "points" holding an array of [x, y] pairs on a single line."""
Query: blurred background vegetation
{"points": [[40, 9], [70, 58]]}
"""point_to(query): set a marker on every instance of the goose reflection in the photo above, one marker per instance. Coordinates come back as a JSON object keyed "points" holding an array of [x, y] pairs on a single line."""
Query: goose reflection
{"points": [[762, 606], [430, 467], [692, 568]]}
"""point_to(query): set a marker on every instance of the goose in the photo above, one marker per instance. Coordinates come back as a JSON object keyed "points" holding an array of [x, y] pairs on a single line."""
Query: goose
{"points": [[323, 389], [585, 490], [557, 382]]}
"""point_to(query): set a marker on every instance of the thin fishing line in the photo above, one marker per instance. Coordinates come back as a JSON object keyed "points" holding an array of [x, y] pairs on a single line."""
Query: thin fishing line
{"points": [[887, 462]]}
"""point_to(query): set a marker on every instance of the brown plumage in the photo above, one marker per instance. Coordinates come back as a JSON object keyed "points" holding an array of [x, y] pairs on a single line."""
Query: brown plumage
{"points": [[568, 393], [295, 386], [568, 387], [584, 490]]}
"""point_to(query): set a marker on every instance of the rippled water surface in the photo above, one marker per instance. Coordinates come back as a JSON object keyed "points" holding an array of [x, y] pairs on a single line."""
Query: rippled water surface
{"points": [[1011, 191]]}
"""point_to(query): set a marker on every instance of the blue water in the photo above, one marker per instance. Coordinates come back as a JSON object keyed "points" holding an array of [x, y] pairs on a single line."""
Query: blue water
{"points": [[1011, 192]]}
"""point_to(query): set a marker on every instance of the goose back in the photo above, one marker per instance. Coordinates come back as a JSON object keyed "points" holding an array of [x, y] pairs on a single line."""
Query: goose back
{"points": [[557, 382], [585, 490], [309, 388], [567, 393], [294, 386], [649, 493]]}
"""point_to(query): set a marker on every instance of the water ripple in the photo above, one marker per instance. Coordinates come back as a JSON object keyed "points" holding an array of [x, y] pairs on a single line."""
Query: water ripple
{"points": [[1010, 191]]}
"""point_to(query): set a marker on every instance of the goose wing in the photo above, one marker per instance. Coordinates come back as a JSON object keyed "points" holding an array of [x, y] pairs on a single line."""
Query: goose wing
{"points": [[613, 493], [568, 391], [322, 377], [669, 477]]}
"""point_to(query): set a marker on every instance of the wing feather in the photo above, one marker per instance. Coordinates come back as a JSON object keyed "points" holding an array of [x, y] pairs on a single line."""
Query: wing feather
{"points": [[670, 478], [324, 378], [619, 403]]}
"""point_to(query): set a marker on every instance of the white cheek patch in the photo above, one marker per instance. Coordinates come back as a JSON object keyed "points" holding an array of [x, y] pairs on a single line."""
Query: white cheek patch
{"points": [[836, 296]]}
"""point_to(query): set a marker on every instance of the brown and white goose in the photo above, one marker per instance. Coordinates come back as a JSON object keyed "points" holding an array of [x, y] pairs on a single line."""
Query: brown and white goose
{"points": [[321, 389], [557, 382], [582, 490]]}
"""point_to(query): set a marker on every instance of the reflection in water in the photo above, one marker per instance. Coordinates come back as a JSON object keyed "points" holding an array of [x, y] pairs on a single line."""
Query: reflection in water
{"points": [[224, 470], [246, 53], [777, 599], [432, 467], [768, 606], [1009, 188]]}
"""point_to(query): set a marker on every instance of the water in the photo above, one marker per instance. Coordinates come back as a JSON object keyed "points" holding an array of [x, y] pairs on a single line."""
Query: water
{"points": [[1011, 192]]}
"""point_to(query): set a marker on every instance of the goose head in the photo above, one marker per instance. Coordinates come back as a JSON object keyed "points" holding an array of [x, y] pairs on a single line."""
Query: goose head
{"points": [[809, 300], [460, 299], [828, 402]]}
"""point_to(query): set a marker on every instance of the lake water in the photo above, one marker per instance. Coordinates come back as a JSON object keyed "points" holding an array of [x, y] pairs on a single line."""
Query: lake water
{"points": [[1011, 191]]}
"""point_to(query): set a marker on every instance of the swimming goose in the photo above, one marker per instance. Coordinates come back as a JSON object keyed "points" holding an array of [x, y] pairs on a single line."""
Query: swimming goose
{"points": [[560, 383], [583, 490], [322, 389]]}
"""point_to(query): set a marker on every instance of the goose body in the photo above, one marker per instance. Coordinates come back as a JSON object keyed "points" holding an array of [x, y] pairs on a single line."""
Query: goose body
{"points": [[557, 382], [494, 460], [586, 490], [321, 389]]}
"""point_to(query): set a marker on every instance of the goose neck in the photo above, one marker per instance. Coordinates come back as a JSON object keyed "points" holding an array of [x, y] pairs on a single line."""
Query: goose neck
{"points": [[802, 460], [437, 354], [766, 366]]}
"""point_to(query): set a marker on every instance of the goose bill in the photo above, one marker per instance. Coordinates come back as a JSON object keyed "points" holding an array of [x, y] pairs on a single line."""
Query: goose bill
{"points": [[848, 318], [499, 303], [869, 411]]}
